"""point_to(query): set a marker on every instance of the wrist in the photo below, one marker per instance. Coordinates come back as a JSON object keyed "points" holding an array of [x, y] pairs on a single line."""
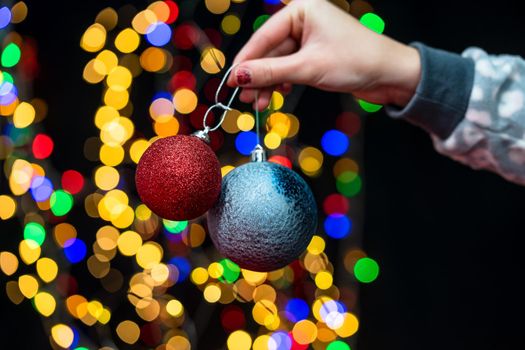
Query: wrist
{"points": [[401, 73]]}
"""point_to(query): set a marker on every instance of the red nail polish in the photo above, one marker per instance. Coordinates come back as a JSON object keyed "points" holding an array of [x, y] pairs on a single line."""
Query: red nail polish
{"points": [[244, 76]]}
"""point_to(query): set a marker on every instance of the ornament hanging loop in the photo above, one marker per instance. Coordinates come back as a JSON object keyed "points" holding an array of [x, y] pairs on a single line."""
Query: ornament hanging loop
{"points": [[218, 104]]}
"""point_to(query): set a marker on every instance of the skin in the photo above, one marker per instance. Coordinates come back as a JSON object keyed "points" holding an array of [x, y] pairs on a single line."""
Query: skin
{"points": [[313, 42]]}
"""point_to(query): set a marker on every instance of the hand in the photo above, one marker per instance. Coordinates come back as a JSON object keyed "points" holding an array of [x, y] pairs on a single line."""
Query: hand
{"points": [[312, 42]]}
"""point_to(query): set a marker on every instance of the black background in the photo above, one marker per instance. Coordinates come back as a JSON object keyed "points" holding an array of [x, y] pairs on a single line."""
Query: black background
{"points": [[449, 239]]}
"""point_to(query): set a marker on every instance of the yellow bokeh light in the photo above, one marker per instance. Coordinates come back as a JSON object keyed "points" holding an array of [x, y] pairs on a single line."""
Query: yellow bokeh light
{"points": [[105, 62], [174, 308], [142, 212], [28, 285], [116, 99], [94, 38], [195, 236], [18, 12], [212, 60], [215, 270], [316, 246], [239, 340], [137, 149], [230, 24], [143, 20], [24, 115], [20, 177], [62, 335], [217, 6], [13, 292], [264, 312], [253, 277], [272, 140], [261, 342], [108, 17], [127, 40], [64, 232], [310, 160], [105, 115], [119, 78], [323, 280], [168, 128], [349, 327], [264, 292], [7, 207], [230, 121], [29, 251], [111, 156], [129, 243], [90, 73], [47, 269], [277, 101], [185, 101], [161, 10], [304, 332], [199, 275], [212, 293], [45, 303], [8, 263], [226, 169], [245, 122], [159, 273], [155, 59], [178, 343], [149, 254], [106, 178], [107, 237], [128, 331]]}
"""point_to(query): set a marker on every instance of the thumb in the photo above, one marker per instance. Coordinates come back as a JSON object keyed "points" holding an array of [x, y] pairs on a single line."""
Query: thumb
{"points": [[270, 71]]}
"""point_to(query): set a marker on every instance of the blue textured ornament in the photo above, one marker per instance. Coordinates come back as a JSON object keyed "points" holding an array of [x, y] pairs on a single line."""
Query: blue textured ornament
{"points": [[265, 216]]}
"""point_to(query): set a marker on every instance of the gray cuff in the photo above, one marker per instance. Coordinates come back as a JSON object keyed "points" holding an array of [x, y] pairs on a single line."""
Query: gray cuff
{"points": [[443, 93]]}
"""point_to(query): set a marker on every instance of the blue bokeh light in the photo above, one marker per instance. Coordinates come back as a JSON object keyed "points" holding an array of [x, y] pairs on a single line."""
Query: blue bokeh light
{"points": [[41, 188], [280, 341], [334, 142], [183, 266], [5, 17], [75, 250], [337, 226], [158, 34], [246, 142], [297, 309]]}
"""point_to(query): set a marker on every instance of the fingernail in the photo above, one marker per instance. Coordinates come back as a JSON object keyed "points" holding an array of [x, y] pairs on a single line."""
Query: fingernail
{"points": [[244, 76]]}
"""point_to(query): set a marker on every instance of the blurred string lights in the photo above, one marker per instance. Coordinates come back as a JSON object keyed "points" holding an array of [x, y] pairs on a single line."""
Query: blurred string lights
{"points": [[296, 307]]}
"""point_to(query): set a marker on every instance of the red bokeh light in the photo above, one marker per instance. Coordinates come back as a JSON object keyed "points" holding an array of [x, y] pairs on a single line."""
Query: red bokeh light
{"points": [[281, 160], [336, 204], [72, 181], [42, 146]]}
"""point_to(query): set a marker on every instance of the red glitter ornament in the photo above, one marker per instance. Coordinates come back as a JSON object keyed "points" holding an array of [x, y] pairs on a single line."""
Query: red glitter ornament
{"points": [[179, 177]]}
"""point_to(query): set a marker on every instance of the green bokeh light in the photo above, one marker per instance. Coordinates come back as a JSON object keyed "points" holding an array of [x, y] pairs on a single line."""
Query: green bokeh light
{"points": [[260, 21], [36, 232], [175, 226], [369, 107], [366, 270], [6, 77], [10, 55], [338, 345], [349, 183], [373, 22], [231, 272], [61, 202]]}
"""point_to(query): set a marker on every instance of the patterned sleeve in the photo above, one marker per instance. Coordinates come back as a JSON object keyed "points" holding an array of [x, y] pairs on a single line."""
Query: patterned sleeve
{"points": [[492, 134]]}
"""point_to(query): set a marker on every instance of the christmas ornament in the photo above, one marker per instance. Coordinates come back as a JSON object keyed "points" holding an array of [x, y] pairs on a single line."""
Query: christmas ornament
{"points": [[265, 216], [179, 177]]}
